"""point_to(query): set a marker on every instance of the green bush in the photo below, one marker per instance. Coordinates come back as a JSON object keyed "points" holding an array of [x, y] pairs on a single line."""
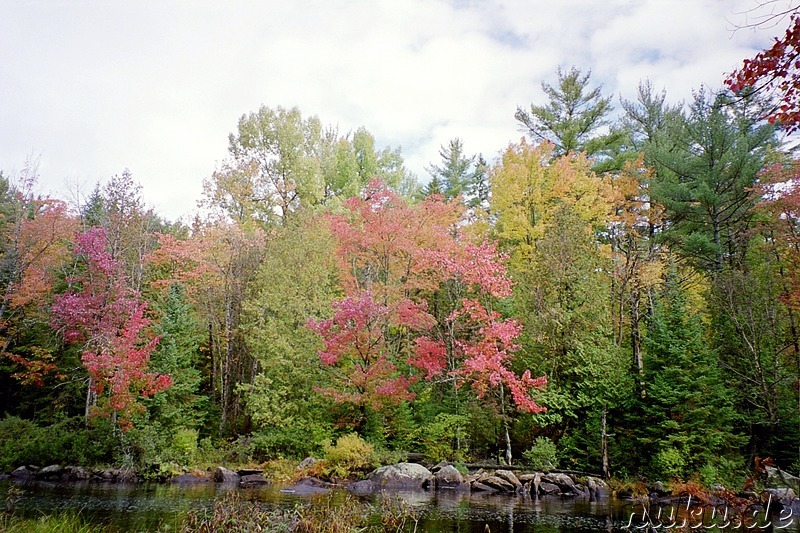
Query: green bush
{"points": [[669, 463], [291, 441], [184, 443], [439, 438], [542, 455], [66, 442], [351, 454]]}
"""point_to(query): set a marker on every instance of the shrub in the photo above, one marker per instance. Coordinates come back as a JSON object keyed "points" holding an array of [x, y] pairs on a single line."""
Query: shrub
{"points": [[542, 455], [669, 463], [351, 454], [439, 437], [184, 443], [65, 442]]}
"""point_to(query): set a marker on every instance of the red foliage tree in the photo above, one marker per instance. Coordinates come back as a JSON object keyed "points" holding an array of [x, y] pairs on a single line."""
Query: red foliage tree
{"points": [[776, 70], [394, 257], [101, 313], [355, 344], [39, 238]]}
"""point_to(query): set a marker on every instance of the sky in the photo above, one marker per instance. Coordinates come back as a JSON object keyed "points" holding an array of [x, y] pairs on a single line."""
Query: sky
{"points": [[91, 88]]}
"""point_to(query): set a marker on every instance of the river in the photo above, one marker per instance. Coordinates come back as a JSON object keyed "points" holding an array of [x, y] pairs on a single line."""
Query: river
{"points": [[161, 507]]}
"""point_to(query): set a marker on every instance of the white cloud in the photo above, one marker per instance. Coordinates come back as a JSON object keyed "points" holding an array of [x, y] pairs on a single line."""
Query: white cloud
{"points": [[157, 87]]}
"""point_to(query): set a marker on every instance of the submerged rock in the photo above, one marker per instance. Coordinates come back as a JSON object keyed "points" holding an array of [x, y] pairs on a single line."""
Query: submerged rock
{"points": [[254, 479], [188, 479], [362, 488]]}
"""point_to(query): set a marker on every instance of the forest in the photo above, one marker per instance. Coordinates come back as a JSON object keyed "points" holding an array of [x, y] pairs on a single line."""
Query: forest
{"points": [[617, 292]]}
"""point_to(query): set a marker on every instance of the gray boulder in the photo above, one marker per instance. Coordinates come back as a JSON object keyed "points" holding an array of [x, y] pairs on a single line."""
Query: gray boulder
{"points": [[362, 488], [23, 473], [477, 486], [548, 488], [254, 479], [76, 473], [50, 472], [509, 476], [598, 489], [448, 476], [224, 475], [308, 462], [777, 479], [564, 482], [498, 483], [402, 476]]}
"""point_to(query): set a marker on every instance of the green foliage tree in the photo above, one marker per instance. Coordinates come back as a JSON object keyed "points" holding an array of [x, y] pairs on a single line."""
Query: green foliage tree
{"points": [[575, 119], [689, 416], [455, 172], [296, 279], [705, 168], [182, 405]]}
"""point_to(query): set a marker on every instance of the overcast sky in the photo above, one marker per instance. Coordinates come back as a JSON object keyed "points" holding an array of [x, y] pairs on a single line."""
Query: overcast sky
{"points": [[92, 88]]}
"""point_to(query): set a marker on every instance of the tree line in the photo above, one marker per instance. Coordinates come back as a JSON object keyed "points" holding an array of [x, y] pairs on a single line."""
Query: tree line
{"points": [[624, 287]]}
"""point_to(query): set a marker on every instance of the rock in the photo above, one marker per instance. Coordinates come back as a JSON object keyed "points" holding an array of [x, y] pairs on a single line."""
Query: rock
{"points": [[308, 486], [564, 482], [448, 476], [658, 488], [308, 462], [403, 476], [598, 489], [254, 479], [188, 479], [362, 488], [497, 483], [785, 495], [777, 479], [524, 478], [76, 473], [23, 473], [50, 472], [470, 478], [477, 486], [438, 466], [581, 490], [223, 475], [509, 476], [549, 488]]}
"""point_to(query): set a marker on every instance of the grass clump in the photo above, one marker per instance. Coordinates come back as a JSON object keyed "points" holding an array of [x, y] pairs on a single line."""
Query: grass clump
{"points": [[64, 522]]}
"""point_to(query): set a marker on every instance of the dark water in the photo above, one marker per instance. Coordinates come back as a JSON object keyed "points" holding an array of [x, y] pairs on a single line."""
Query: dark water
{"points": [[160, 507]]}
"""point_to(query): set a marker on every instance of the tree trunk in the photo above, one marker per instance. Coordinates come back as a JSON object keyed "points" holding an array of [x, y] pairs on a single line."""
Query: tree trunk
{"points": [[604, 444], [636, 343], [90, 401]]}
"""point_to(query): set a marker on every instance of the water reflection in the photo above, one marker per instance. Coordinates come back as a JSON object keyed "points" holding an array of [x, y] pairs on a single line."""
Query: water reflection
{"points": [[149, 507]]}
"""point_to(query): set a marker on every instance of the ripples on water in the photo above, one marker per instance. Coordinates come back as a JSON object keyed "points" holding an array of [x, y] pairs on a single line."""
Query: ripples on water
{"points": [[151, 507]]}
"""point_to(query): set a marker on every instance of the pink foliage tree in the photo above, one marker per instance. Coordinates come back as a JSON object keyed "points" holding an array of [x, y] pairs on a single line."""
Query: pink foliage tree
{"points": [[99, 312], [395, 258], [355, 345]]}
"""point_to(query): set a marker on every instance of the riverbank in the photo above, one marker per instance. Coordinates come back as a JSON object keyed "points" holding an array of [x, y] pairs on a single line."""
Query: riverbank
{"points": [[776, 487]]}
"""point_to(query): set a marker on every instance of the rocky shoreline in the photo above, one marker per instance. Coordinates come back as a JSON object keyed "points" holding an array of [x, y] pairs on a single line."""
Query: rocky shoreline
{"points": [[780, 486]]}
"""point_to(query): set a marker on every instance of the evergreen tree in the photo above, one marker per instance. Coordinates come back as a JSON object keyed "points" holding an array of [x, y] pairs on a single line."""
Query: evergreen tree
{"points": [[455, 173], [575, 119], [705, 168], [177, 354], [689, 422]]}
